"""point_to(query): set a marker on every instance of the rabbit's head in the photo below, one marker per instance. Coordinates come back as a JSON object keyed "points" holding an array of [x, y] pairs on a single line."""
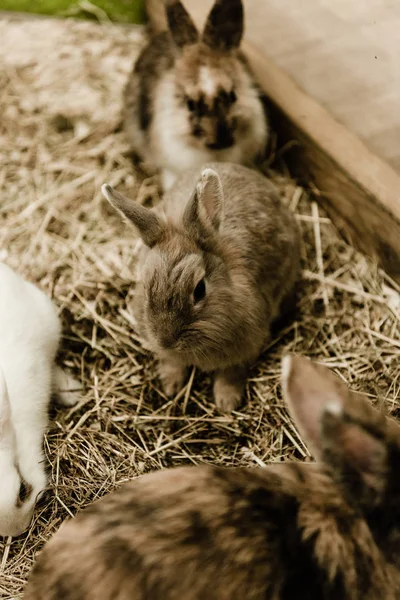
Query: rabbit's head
{"points": [[189, 304], [212, 84], [17, 496], [358, 445]]}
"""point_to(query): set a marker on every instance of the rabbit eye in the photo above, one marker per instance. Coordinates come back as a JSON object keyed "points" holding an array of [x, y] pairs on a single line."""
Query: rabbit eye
{"points": [[191, 104], [199, 291], [232, 96], [25, 490], [22, 491]]}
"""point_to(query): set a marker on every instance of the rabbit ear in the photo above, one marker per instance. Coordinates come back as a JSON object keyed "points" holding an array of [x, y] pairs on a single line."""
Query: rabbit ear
{"points": [[205, 208], [340, 427], [223, 30], [307, 390], [6, 426], [146, 221], [181, 26]]}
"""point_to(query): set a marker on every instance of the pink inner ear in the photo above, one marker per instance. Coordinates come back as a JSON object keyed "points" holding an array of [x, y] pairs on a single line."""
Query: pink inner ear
{"points": [[211, 197], [308, 389], [6, 426], [307, 412], [7, 436], [5, 408]]}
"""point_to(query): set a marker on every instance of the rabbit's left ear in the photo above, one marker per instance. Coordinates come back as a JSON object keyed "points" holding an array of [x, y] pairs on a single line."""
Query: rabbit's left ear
{"points": [[340, 427], [181, 26], [223, 30], [205, 208]]}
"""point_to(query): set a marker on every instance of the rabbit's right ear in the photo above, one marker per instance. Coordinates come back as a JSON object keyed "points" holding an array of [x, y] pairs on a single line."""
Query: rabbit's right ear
{"points": [[223, 30], [6, 426], [181, 26], [340, 427], [148, 224], [206, 206]]}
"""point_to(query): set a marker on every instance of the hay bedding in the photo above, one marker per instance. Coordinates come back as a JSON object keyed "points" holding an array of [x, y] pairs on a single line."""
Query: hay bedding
{"points": [[60, 140]]}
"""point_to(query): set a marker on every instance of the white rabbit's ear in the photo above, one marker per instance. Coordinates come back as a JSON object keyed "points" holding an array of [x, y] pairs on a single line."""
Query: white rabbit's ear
{"points": [[148, 224], [7, 436]]}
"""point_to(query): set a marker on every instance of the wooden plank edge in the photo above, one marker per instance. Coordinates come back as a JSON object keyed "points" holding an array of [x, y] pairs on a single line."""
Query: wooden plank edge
{"points": [[359, 190]]}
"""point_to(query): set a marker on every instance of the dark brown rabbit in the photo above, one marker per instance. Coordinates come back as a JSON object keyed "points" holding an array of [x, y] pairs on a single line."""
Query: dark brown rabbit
{"points": [[191, 98], [295, 531], [222, 256]]}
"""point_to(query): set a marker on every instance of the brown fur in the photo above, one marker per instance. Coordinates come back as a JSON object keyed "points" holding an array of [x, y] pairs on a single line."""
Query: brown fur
{"points": [[286, 532], [236, 236], [191, 98]]}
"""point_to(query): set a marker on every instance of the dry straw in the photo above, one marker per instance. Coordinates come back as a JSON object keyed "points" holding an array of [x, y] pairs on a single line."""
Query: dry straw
{"points": [[60, 139]]}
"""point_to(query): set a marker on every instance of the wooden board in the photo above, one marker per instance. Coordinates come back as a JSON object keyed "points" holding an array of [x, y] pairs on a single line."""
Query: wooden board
{"points": [[355, 184]]}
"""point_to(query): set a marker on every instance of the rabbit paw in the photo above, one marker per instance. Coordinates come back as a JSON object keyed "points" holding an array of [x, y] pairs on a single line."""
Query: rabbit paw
{"points": [[228, 388], [172, 377], [67, 389], [227, 396]]}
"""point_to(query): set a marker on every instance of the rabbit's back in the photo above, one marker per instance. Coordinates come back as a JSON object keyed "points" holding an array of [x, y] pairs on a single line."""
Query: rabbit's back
{"points": [[178, 534], [207, 532], [244, 189], [259, 229], [263, 230]]}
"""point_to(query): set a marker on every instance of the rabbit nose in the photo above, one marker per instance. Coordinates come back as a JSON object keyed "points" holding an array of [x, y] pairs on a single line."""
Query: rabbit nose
{"points": [[223, 139], [168, 340]]}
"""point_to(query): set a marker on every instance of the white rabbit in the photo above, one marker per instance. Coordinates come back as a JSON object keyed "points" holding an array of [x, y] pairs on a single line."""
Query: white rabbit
{"points": [[30, 333]]}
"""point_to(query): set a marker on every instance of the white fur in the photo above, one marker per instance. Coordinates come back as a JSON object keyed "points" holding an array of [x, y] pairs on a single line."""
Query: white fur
{"points": [[286, 369], [207, 83], [29, 337], [334, 408], [169, 147]]}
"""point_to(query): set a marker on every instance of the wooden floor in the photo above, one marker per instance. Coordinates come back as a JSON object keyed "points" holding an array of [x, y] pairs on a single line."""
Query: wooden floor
{"points": [[343, 53]]}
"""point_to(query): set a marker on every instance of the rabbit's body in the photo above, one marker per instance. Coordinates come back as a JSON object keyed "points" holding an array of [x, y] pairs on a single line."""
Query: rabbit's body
{"points": [[29, 337], [287, 532], [259, 244], [189, 101], [247, 264], [225, 534]]}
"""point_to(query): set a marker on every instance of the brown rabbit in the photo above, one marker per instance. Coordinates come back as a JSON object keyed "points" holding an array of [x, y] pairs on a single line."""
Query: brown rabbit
{"points": [[191, 98], [222, 256], [295, 531]]}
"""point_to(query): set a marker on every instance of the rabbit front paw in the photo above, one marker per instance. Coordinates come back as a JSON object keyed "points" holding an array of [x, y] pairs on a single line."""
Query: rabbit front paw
{"points": [[67, 389], [228, 388], [172, 376]]}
